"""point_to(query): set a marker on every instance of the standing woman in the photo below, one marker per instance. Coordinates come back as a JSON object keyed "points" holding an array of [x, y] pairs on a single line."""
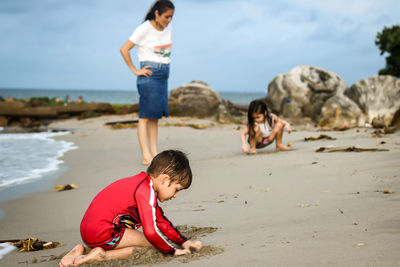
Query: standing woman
{"points": [[153, 39]]}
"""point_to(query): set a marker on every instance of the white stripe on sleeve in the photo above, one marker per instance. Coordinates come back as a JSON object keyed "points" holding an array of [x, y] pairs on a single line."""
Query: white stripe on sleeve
{"points": [[151, 203]]}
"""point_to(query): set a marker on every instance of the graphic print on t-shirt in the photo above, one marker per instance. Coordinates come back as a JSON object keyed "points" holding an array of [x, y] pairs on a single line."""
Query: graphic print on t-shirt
{"points": [[163, 50]]}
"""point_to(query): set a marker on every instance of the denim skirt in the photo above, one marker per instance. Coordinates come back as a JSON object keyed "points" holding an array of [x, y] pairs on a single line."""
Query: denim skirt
{"points": [[153, 91]]}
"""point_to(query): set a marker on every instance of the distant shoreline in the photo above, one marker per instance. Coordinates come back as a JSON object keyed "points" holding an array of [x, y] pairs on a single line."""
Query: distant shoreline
{"points": [[112, 96]]}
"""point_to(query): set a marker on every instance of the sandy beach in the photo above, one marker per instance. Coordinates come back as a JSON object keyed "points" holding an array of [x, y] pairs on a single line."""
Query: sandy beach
{"points": [[295, 208]]}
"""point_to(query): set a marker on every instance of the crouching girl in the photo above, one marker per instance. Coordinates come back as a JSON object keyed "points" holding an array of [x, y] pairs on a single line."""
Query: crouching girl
{"points": [[263, 128]]}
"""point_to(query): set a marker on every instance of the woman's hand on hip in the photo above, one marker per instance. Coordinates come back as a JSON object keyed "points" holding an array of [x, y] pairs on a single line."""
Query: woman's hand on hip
{"points": [[144, 71]]}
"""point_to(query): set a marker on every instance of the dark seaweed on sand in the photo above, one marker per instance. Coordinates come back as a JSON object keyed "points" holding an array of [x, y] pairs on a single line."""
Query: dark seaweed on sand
{"points": [[348, 149], [321, 136]]}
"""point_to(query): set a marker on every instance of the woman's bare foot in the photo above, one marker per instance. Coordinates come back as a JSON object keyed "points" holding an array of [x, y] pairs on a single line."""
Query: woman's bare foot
{"points": [[283, 148], [96, 254], [147, 161], [69, 258]]}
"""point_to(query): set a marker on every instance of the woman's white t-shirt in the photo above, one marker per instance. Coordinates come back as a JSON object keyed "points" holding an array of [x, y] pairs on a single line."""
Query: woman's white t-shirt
{"points": [[153, 45]]}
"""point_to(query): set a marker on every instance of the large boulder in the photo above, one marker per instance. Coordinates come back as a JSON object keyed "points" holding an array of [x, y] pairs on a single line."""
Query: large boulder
{"points": [[194, 99], [197, 99], [396, 120], [313, 93], [377, 97], [340, 111], [303, 91]]}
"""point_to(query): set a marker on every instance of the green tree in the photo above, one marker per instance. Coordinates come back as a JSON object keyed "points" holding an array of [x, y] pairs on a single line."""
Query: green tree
{"points": [[389, 41]]}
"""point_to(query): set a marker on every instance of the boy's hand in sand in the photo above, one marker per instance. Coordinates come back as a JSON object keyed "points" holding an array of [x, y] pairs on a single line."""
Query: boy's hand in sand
{"points": [[189, 244], [180, 252]]}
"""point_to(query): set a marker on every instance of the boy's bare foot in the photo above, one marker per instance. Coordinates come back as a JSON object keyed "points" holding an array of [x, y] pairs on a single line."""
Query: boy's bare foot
{"points": [[283, 148], [96, 254], [69, 258]]}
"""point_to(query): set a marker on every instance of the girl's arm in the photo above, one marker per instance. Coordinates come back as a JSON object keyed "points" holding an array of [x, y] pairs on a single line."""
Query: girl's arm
{"points": [[287, 126], [245, 146], [128, 60], [285, 123]]}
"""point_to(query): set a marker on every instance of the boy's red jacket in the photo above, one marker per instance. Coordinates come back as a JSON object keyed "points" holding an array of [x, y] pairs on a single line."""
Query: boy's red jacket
{"points": [[133, 196]]}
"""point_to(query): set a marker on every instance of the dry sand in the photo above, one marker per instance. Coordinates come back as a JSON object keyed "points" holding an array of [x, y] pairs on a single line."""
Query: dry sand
{"points": [[296, 208]]}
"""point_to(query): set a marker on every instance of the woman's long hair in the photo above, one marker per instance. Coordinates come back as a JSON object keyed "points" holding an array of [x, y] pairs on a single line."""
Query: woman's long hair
{"points": [[257, 106], [161, 6]]}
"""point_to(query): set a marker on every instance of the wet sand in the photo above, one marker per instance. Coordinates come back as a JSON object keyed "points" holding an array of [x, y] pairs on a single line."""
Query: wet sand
{"points": [[295, 208]]}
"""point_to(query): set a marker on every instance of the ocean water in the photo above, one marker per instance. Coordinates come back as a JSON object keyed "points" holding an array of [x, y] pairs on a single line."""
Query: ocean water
{"points": [[26, 157], [114, 96]]}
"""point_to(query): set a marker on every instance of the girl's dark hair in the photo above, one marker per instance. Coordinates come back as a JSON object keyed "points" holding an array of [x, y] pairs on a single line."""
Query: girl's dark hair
{"points": [[175, 164], [257, 106], [161, 6]]}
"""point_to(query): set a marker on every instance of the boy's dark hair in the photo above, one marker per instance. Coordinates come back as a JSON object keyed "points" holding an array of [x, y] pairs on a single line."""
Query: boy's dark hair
{"points": [[161, 6], [257, 106], [175, 164]]}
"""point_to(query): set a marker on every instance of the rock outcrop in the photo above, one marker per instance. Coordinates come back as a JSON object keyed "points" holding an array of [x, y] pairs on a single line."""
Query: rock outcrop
{"points": [[325, 98], [22, 109], [24, 114], [305, 91], [197, 99], [194, 99], [377, 97], [340, 111], [18, 108]]}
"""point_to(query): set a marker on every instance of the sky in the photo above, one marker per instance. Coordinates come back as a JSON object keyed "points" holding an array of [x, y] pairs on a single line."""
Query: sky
{"points": [[233, 45]]}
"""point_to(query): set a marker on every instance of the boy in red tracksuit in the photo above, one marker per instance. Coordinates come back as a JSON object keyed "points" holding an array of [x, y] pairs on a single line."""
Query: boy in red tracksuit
{"points": [[110, 224]]}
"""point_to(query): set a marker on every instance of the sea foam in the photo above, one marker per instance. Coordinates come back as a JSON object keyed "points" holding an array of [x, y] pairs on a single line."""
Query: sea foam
{"points": [[27, 156]]}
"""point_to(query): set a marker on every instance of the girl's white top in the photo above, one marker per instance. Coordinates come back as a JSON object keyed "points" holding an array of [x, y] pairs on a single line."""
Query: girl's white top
{"points": [[265, 128], [153, 45]]}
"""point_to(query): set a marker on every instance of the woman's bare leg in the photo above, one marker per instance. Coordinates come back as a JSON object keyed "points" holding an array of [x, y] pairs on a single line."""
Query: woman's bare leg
{"points": [[153, 134], [143, 137]]}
